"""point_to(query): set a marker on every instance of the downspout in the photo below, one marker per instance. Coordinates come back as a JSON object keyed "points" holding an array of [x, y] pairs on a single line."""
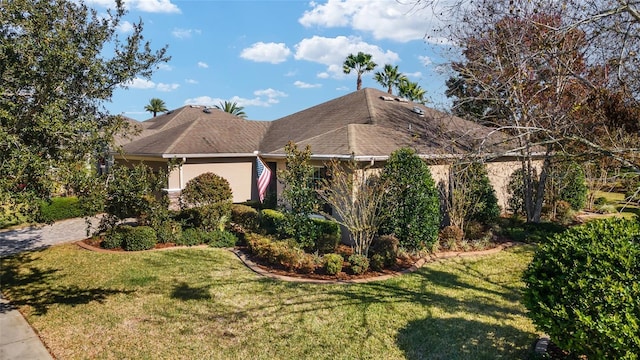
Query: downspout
{"points": [[181, 175]]}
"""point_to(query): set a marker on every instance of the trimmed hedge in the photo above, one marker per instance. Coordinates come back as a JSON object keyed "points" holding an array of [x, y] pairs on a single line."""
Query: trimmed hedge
{"points": [[208, 217], [359, 264], [333, 263], [169, 232], [245, 216], [139, 238], [272, 222], [583, 289], [61, 208], [282, 253]]}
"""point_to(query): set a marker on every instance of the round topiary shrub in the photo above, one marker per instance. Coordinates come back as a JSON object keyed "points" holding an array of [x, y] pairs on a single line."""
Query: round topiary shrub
{"points": [[583, 289], [139, 238], [333, 263], [114, 237], [206, 189], [359, 264]]}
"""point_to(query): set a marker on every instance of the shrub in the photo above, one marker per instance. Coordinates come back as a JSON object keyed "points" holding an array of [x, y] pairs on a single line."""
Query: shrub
{"points": [[474, 230], [282, 253], [114, 237], [206, 217], [583, 289], [221, 239], [191, 237], [272, 222], [333, 263], [306, 263], [169, 231], [245, 216], [206, 189], [385, 248], [574, 190], [139, 238], [450, 237], [413, 201], [376, 262], [471, 196], [359, 263], [329, 236], [564, 213], [61, 208]]}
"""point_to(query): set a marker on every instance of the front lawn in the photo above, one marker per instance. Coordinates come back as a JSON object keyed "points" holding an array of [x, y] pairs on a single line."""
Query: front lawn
{"points": [[205, 304]]}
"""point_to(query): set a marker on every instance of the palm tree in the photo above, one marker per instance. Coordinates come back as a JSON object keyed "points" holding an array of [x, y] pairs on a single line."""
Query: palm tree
{"points": [[232, 108], [389, 77], [361, 63], [412, 91], [155, 106]]}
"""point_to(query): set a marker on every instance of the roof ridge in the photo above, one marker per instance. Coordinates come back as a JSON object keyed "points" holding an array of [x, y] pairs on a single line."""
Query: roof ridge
{"points": [[181, 136], [324, 133], [370, 107]]}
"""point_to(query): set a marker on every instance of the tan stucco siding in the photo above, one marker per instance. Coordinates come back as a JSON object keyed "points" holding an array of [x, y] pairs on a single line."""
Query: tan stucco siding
{"points": [[239, 174]]}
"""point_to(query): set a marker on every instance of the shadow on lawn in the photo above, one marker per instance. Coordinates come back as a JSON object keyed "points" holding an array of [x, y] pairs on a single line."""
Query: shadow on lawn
{"points": [[26, 284], [457, 338]]}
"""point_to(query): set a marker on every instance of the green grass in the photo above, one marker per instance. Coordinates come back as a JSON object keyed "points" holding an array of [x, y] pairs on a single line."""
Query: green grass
{"points": [[617, 199], [204, 303]]}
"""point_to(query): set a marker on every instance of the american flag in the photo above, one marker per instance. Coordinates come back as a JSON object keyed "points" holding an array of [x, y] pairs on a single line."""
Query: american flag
{"points": [[264, 177]]}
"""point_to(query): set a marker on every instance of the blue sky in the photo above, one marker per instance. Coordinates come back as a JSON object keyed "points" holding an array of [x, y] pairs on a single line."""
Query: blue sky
{"points": [[275, 57]]}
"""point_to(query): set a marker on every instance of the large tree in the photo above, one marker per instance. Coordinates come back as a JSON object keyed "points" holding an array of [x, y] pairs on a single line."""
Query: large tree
{"points": [[360, 63], [389, 77], [60, 62], [232, 108], [412, 91], [155, 106]]}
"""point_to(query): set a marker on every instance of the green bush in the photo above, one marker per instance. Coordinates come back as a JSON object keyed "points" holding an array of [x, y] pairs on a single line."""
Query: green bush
{"points": [[329, 236], [221, 239], [472, 197], [206, 189], [272, 222], [61, 208], [245, 216], [359, 264], [376, 262], [139, 238], [206, 217], [413, 201], [282, 253], [114, 237], [168, 232], [333, 263], [385, 248], [574, 190], [192, 237], [583, 289]]}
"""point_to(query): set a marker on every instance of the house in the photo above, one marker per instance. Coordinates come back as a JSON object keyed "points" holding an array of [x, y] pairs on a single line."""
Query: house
{"points": [[366, 125]]}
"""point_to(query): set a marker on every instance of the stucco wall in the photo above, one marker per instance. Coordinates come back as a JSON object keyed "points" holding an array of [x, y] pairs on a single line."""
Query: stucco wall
{"points": [[238, 172]]}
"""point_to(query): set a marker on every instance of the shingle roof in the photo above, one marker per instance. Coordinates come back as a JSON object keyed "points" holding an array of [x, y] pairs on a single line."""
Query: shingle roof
{"points": [[197, 130], [367, 122]]}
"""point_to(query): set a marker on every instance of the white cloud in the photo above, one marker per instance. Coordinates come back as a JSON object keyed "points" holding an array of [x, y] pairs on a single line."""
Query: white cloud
{"points": [[291, 73], [152, 6], [139, 83], [203, 100], [343, 88], [263, 98], [143, 84], [167, 87], [414, 75], [184, 33], [125, 27], [266, 52], [191, 81], [156, 6], [400, 21], [323, 75], [165, 67], [271, 94], [425, 60], [304, 85], [202, 64], [333, 51]]}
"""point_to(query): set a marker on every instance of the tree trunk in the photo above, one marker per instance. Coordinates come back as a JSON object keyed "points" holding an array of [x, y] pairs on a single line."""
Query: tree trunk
{"points": [[359, 82]]}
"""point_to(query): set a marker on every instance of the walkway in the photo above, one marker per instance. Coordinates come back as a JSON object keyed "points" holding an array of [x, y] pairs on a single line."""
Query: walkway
{"points": [[17, 339]]}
